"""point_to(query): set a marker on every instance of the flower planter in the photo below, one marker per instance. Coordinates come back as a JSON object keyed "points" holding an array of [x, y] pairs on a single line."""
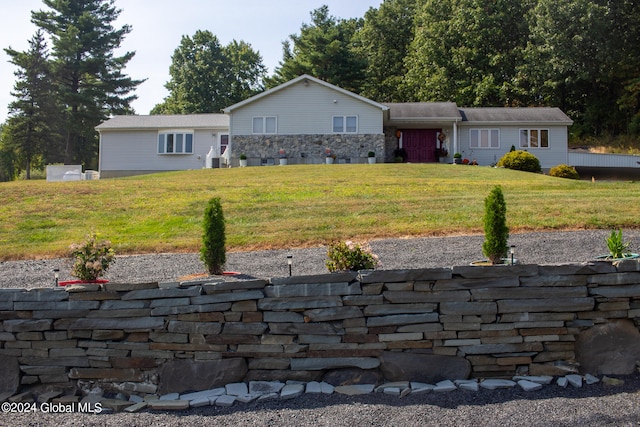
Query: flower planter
{"points": [[81, 282], [283, 162], [243, 163], [487, 263], [371, 160], [329, 160], [626, 256]]}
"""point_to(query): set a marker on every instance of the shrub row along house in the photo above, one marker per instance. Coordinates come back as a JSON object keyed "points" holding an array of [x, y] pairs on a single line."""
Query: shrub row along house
{"points": [[307, 120]]}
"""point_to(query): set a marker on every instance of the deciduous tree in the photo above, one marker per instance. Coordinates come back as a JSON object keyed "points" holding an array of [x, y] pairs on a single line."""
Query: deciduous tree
{"points": [[207, 77], [384, 40], [467, 51]]}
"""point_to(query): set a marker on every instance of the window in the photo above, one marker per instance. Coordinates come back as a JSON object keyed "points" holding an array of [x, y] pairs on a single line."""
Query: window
{"points": [[345, 124], [175, 143], [224, 143], [484, 138], [534, 138], [266, 124]]}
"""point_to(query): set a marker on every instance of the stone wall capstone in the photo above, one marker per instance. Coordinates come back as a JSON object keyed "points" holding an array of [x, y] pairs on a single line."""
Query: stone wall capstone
{"points": [[424, 324]]}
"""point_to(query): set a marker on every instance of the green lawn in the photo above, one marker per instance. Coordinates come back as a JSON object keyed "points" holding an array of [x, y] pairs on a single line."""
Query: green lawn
{"points": [[296, 206]]}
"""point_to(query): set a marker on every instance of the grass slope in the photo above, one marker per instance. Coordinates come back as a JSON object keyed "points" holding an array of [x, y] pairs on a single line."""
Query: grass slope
{"points": [[296, 206]]}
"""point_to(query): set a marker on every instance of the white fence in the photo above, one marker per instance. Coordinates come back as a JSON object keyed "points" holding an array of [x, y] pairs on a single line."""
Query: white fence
{"points": [[603, 160]]}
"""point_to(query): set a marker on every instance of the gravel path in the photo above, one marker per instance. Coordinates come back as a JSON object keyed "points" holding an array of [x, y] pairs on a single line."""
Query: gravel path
{"points": [[530, 248], [593, 405]]}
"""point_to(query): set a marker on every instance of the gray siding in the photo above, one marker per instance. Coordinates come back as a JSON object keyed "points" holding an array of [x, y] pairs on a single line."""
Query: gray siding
{"points": [[137, 151], [510, 135], [307, 110]]}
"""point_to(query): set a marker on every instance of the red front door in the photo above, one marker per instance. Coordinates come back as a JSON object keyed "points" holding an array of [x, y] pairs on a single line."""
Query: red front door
{"points": [[420, 145]]}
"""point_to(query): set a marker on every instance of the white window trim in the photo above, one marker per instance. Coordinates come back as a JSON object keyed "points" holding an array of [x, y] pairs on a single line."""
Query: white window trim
{"points": [[489, 130], [264, 125], [344, 123], [184, 142], [528, 146]]}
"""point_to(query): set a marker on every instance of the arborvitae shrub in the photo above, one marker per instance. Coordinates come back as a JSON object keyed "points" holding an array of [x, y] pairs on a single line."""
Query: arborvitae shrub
{"points": [[521, 161], [213, 252], [564, 171], [496, 232]]}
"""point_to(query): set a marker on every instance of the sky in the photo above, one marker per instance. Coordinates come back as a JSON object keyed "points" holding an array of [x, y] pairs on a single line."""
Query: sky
{"points": [[158, 26]]}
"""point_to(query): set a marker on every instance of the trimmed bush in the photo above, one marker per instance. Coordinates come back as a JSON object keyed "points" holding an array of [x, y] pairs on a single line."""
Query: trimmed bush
{"points": [[564, 171], [350, 256], [213, 252], [496, 232], [521, 161]]}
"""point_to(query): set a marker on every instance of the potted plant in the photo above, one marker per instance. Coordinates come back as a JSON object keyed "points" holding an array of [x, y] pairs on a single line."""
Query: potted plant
{"points": [[399, 155], [283, 157], [618, 248], [496, 232], [371, 157], [350, 256], [329, 156], [243, 160], [457, 158], [91, 259]]}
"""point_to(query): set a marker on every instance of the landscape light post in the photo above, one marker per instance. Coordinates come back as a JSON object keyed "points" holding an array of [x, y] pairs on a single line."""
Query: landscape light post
{"points": [[289, 262], [512, 251], [56, 276]]}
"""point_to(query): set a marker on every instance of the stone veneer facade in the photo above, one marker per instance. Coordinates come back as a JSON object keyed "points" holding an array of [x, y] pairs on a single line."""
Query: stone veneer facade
{"points": [[307, 149], [500, 321]]}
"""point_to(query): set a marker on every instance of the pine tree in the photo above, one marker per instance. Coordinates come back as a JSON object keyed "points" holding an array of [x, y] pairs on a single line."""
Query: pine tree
{"points": [[88, 77], [324, 49], [213, 252], [29, 133], [496, 232]]}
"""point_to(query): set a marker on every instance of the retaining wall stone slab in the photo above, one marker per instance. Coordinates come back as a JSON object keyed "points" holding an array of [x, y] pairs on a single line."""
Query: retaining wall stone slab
{"points": [[399, 297], [316, 364], [186, 375], [544, 305], [118, 323]]}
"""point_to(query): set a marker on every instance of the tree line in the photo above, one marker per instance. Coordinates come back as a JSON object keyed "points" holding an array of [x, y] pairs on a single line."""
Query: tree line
{"points": [[582, 56]]}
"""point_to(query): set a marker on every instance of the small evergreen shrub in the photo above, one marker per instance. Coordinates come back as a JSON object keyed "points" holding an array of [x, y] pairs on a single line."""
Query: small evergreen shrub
{"points": [[496, 232], [521, 161], [564, 171], [213, 252]]}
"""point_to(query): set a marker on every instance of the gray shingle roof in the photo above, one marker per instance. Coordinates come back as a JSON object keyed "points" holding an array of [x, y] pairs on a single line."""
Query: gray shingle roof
{"points": [[195, 121], [423, 110], [515, 115]]}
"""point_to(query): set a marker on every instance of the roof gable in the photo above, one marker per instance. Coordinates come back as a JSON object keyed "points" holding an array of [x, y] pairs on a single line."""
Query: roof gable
{"points": [[302, 78]]}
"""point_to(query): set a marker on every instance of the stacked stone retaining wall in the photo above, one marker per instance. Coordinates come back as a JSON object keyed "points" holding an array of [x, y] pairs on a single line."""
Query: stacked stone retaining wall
{"points": [[308, 149], [499, 321]]}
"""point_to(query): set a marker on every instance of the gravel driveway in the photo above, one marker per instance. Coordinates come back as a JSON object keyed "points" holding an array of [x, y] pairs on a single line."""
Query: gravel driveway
{"points": [[530, 248], [592, 405]]}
